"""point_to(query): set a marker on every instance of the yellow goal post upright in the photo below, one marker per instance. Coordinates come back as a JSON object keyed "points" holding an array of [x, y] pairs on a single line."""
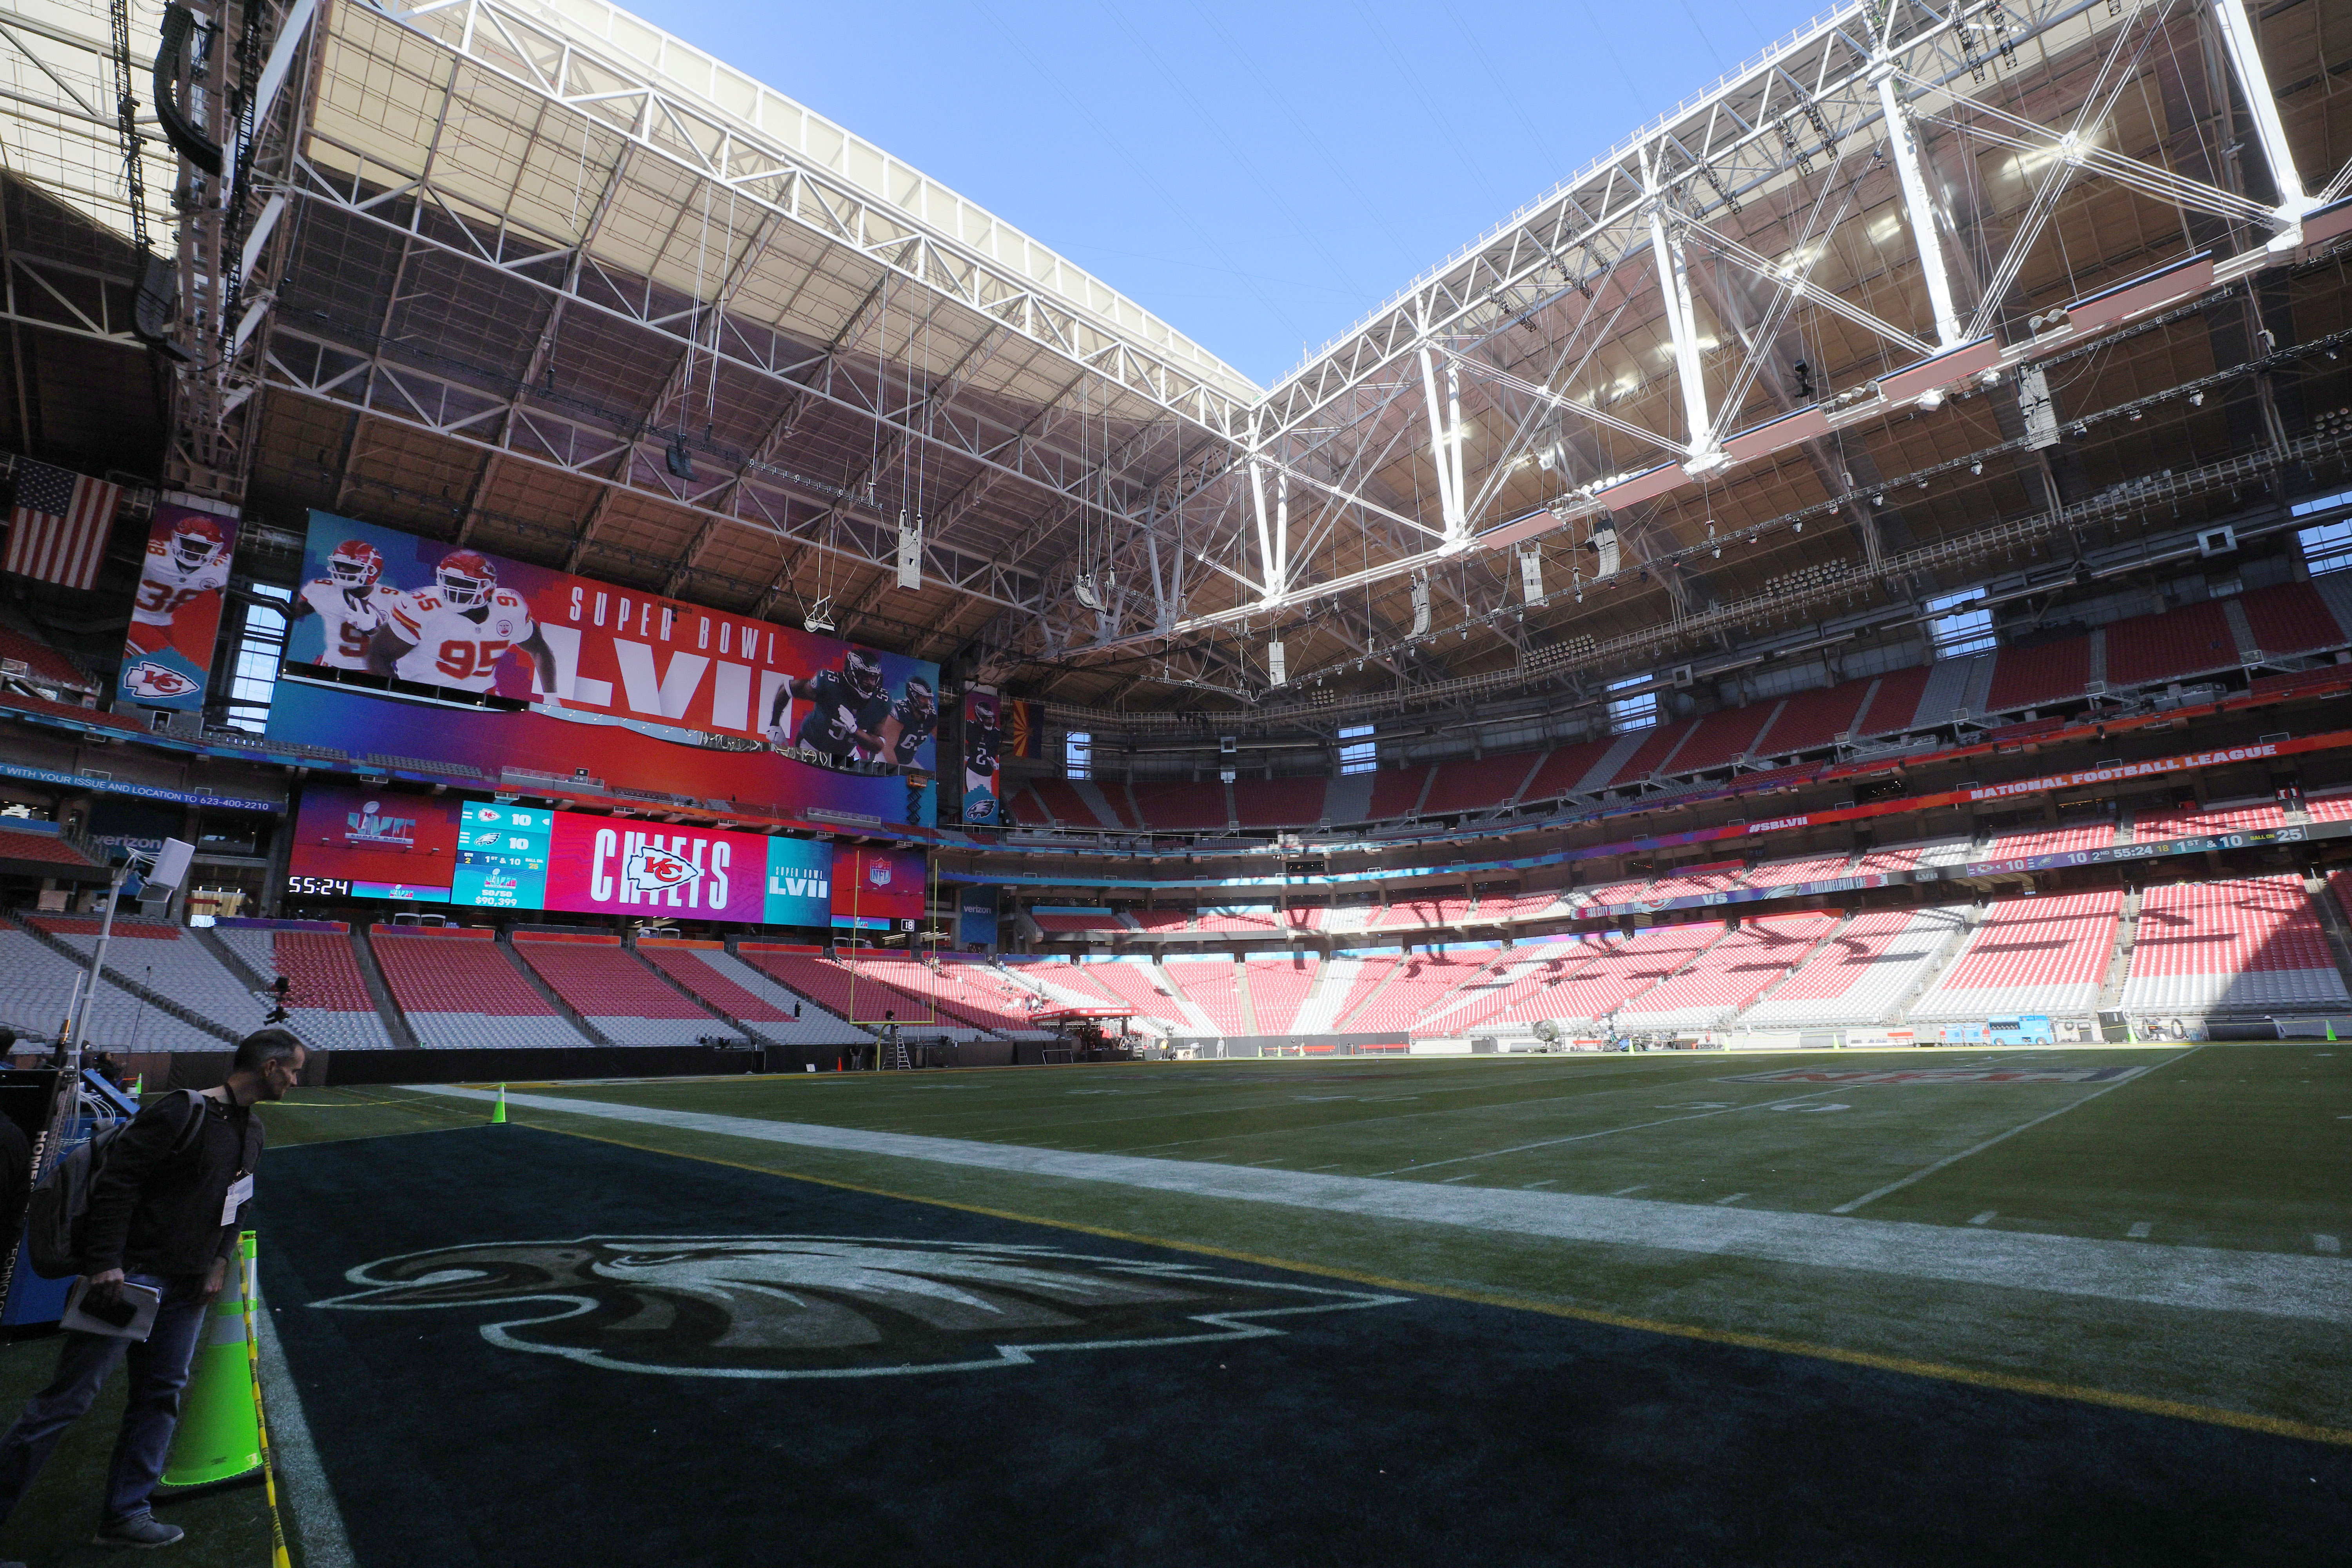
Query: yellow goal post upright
{"points": [[879, 997]]}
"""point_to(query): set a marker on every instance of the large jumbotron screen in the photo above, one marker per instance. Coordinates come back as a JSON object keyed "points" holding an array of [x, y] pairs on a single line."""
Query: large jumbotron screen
{"points": [[483, 855], [638, 689]]}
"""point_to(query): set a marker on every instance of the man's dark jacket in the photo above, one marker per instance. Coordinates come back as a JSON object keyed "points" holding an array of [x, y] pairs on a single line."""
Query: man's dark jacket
{"points": [[156, 1206]]}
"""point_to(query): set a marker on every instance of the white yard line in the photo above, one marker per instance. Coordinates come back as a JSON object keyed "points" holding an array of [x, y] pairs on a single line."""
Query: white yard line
{"points": [[1606, 1133], [1925, 1170], [318, 1519], [1984, 1218], [2296, 1284]]}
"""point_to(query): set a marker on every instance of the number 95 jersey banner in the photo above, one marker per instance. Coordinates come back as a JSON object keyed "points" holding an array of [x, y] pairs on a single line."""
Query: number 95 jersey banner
{"points": [[617, 683], [167, 653]]}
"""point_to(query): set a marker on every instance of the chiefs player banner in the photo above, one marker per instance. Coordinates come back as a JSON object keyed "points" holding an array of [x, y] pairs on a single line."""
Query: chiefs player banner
{"points": [[167, 654], [635, 688], [983, 743]]}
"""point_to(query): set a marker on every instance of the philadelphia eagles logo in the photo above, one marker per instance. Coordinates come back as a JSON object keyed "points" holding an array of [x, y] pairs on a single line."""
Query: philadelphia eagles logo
{"points": [[825, 1305]]}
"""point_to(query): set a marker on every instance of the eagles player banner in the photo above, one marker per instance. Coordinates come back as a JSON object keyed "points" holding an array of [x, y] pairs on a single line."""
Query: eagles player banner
{"points": [[167, 655], [982, 743], [605, 670]]}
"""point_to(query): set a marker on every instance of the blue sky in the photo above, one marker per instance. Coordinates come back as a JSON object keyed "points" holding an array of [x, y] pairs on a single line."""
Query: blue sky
{"points": [[1259, 175]]}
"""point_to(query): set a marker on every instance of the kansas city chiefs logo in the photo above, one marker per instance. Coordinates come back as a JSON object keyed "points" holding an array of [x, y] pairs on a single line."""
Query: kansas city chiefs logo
{"points": [[148, 679], [654, 868], [825, 1305]]}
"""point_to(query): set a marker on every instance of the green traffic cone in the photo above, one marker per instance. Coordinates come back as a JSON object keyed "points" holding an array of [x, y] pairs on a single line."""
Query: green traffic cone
{"points": [[219, 1435], [498, 1111]]}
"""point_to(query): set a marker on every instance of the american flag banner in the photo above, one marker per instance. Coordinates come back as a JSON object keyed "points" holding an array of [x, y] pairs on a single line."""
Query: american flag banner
{"points": [[58, 525]]}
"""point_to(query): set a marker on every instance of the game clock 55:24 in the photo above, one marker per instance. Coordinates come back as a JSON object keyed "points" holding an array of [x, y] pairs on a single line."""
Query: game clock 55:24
{"points": [[319, 886]]}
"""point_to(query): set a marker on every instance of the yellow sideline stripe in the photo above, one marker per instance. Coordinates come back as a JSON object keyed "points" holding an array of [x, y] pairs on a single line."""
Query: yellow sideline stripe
{"points": [[2008, 1382]]}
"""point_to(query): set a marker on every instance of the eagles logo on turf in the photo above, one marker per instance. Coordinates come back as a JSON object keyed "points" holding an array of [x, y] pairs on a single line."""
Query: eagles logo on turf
{"points": [[821, 1305]]}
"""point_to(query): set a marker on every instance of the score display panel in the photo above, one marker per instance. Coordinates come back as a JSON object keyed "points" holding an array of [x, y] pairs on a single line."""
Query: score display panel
{"points": [[492, 856], [502, 857]]}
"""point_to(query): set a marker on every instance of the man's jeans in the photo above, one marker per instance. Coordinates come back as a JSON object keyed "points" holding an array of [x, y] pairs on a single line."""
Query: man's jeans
{"points": [[159, 1371]]}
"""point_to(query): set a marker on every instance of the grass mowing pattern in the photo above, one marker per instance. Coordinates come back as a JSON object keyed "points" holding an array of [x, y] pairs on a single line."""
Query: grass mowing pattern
{"points": [[2229, 1147]]}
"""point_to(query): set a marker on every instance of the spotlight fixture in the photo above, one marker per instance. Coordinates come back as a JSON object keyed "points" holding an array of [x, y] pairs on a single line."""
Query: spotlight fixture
{"points": [[2135, 416], [1977, 468], [818, 618], [2196, 400]]}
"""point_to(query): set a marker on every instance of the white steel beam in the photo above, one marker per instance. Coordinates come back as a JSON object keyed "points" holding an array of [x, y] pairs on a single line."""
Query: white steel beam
{"points": [[1920, 209], [1449, 500], [2246, 58], [1673, 283]]}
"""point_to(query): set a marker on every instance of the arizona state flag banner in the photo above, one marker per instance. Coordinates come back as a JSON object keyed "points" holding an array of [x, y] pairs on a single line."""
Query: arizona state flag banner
{"points": [[1024, 727], [168, 653]]}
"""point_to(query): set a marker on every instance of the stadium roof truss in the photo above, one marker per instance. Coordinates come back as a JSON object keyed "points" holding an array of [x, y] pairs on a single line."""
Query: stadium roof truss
{"points": [[549, 281]]}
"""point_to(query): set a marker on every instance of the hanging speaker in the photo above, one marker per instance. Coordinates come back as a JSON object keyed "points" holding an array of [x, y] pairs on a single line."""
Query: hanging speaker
{"points": [[157, 305], [910, 552], [186, 137], [676, 459]]}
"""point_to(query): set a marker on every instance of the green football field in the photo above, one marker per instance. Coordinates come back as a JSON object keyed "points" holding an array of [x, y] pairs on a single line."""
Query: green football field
{"points": [[2051, 1287]]}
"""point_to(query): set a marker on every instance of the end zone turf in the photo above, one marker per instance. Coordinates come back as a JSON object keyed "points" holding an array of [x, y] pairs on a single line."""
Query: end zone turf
{"points": [[434, 1294]]}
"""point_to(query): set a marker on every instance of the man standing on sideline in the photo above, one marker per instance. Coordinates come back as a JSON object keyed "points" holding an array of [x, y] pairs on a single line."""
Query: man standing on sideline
{"points": [[15, 1168], [163, 1213]]}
